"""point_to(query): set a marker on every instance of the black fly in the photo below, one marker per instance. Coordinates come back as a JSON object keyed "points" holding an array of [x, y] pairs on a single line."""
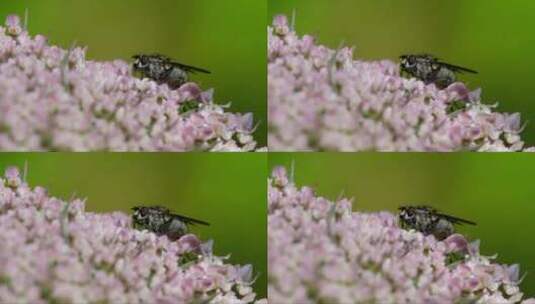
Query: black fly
{"points": [[429, 221], [162, 69], [161, 221], [430, 69]]}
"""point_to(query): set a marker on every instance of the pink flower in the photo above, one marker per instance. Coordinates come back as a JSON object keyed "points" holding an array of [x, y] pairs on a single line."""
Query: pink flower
{"points": [[322, 252], [55, 251], [323, 99], [56, 99]]}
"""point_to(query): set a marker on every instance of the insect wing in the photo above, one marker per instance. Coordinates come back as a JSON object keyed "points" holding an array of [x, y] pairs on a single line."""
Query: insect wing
{"points": [[457, 68], [455, 220], [189, 68], [189, 220]]}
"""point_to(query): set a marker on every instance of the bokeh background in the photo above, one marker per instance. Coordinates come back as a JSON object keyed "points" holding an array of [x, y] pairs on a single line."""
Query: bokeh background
{"points": [[226, 37], [495, 190], [225, 189], [493, 37]]}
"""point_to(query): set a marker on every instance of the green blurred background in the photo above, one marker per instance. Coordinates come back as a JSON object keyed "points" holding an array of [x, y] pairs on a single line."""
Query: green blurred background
{"points": [[494, 37], [225, 189], [495, 190], [226, 37]]}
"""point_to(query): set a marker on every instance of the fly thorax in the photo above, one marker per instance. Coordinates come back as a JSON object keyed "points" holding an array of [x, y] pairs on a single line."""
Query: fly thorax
{"points": [[423, 70], [156, 72], [423, 222]]}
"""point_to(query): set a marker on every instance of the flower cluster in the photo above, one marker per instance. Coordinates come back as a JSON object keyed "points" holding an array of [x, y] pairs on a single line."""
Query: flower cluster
{"points": [[323, 99], [55, 99], [54, 252], [322, 252]]}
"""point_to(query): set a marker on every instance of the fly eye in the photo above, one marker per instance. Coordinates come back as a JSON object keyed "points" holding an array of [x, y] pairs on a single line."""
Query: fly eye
{"points": [[137, 216], [138, 63], [407, 62]]}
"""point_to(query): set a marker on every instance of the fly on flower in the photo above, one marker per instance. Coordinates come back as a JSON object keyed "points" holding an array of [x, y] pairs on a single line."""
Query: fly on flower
{"points": [[430, 69], [429, 221], [162, 69], [161, 221]]}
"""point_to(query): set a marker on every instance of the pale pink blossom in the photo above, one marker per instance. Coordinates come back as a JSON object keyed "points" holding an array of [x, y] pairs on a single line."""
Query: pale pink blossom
{"points": [[323, 99], [320, 251], [53, 251], [56, 99]]}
